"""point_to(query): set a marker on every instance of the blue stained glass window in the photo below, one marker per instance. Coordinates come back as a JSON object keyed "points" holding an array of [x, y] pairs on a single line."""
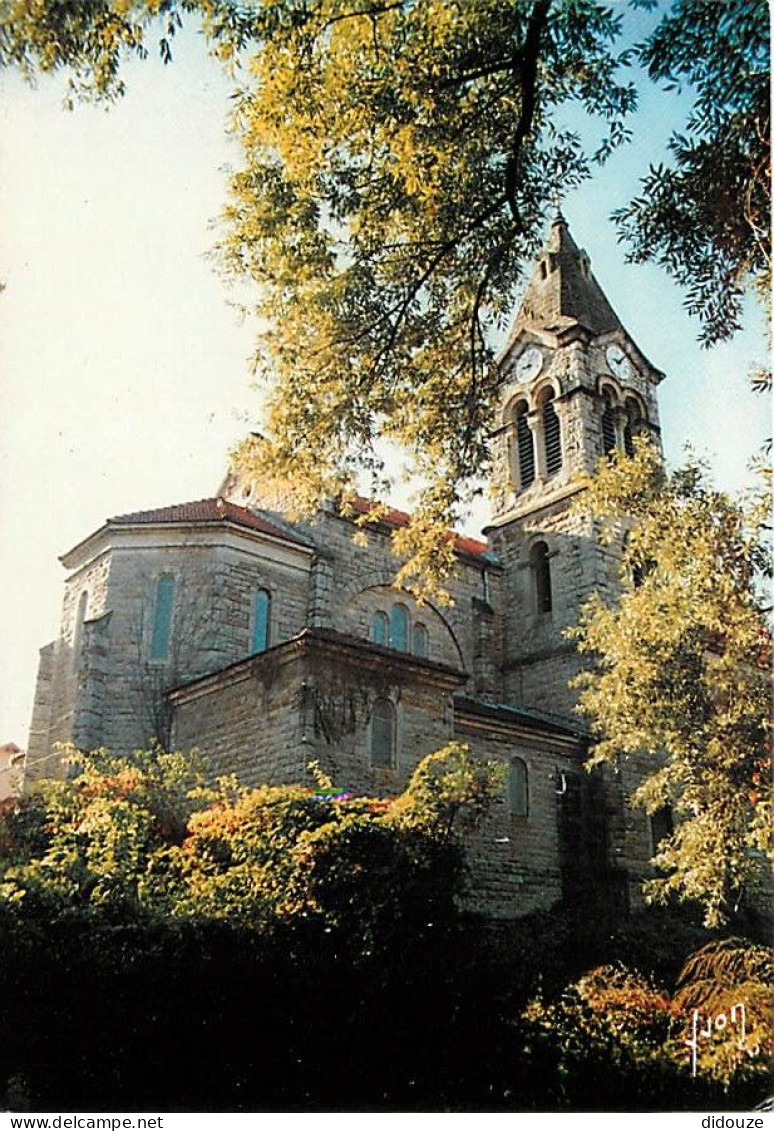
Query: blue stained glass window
{"points": [[419, 640], [261, 621], [380, 629], [399, 628], [162, 619]]}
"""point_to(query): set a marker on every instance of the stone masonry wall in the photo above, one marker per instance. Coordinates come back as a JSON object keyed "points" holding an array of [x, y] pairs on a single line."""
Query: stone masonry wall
{"points": [[539, 659], [514, 862], [251, 726], [64, 664], [211, 625], [356, 578], [266, 719], [39, 744]]}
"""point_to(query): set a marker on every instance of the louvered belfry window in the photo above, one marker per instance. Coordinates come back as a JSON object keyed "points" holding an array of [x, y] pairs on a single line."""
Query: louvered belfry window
{"points": [[608, 427], [632, 420], [552, 436], [526, 448]]}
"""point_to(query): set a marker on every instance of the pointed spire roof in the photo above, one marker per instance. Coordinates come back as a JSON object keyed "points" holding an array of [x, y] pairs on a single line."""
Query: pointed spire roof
{"points": [[562, 291]]}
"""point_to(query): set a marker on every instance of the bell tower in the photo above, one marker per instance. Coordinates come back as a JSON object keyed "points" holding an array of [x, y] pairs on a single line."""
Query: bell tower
{"points": [[574, 386]]}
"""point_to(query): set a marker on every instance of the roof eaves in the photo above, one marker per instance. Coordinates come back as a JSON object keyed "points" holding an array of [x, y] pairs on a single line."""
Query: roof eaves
{"points": [[557, 723]]}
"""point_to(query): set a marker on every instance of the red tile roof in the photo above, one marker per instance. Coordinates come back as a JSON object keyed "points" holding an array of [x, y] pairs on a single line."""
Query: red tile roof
{"points": [[205, 511], [396, 518]]}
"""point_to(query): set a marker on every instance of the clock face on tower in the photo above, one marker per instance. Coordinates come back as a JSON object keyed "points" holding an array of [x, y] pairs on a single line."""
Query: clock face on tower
{"points": [[619, 363], [529, 364]]}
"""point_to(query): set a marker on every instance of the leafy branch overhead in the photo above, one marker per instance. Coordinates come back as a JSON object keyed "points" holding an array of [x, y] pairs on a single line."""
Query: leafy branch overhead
{"points": [[706, 216], [398, 164], [398, 161]]}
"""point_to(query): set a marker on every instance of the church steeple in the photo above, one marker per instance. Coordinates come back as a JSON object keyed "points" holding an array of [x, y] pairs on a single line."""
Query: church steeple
{"points": [[574, 383], [574, 387], [562, 291]]}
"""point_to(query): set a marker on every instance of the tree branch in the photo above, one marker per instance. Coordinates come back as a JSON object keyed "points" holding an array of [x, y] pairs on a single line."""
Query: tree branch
{"points": [[528, 66]]}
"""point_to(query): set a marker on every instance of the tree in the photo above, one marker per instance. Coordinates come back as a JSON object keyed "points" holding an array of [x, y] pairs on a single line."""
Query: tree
{"points": [[89, 39], [143, 836], [398, 163], [706, 218], [615, 1030], [681, 671], [399, 158]]}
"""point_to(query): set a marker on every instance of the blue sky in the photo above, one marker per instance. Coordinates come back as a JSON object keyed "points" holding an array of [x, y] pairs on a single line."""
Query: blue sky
{"points": [[125, 370]]}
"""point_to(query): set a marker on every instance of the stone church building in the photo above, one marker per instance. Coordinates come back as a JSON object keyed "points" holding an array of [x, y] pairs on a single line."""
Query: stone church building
{"points": [[268, 644]]}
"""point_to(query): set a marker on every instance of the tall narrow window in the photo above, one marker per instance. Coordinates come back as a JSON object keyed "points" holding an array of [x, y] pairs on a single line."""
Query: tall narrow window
{"points": [[80, 617], [261, 621], [399, 622], [541, 568], [639, 570], [162, 617], [525, 448], [552, 435], [518, 788], [380, 629], [419, 640], [382, 733], [633, 418], [662, 825], [608, 425]]}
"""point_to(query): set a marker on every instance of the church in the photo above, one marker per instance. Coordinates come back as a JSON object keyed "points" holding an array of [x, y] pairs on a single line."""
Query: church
{"points": [[267, 644]]}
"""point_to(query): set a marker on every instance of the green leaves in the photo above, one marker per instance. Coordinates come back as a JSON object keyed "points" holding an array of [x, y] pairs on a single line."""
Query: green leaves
{"points": [[398, 160], [142, 835], [705, 218], [682, 671], [614, 1018]]}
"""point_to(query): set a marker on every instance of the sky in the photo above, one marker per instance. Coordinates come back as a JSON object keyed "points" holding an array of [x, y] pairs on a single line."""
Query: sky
{"points": [[124, 359]]}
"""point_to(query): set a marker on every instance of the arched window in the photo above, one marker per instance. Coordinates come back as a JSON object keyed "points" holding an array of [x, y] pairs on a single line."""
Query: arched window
{"points": [[662, 825], [261, 621], [639, 570], [162, 617], [518, 788], [552, 435], [380, 628], [608, 424], [524, 447], [382, 733], [541, 568], [633, 417], [399, 622], [419, 640], [80, 617]]}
